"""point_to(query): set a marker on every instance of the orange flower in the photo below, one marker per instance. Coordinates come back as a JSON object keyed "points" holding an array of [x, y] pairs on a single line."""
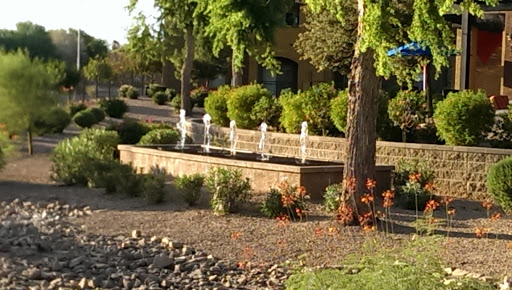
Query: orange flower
{"points": [[487, 205], [388, 194], [319, 231], [366, 198], [301, 191], [446, 200], [350, 184], [282, 219], [241, 265], [345, 214], [235, 235], [496, 216], [480, 232], [451, 212], [298, 211], [414, 177], [431, 205], [331, 230], [370, 183], [388, 198], [287, 200], [429, 186], [368, 228]]}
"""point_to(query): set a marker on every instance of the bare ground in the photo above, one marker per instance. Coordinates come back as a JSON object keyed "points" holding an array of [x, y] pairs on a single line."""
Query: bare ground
{"points": [[248, 236]]}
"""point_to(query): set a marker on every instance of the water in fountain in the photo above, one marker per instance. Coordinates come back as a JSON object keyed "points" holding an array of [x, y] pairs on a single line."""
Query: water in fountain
{"points": [[263, 141], [303, 140], [232, 137], [207, 136], [183, 130]]}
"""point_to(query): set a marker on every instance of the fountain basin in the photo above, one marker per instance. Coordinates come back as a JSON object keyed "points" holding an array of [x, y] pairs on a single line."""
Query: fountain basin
{"points": [[315, 175]]}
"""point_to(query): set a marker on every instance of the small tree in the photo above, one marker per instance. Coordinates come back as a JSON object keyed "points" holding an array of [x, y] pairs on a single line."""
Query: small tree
{"points": [[407, 110], [25, 91], [98, 69]]}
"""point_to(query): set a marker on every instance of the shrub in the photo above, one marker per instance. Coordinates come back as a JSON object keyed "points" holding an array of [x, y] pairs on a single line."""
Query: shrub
{"points": [[385, 128], [198, 96], [288, 200], [462, 117], [99, 114], [132, 93], [500, 135], [153, 185], [76, 107], [53, 121], [499, 183], [176, 104], [74, 159], [156, 125], [171, 93], [311, 105], [2, 161], [267, 109], [160, 136], [407, 110], [123, 89], [413, 183], [130, 131], [216, 105], [85, 119], [160, 98], [114, 108], [190, 187], [338, 112], [153, 88], [332, 197], [228, 189], [242, 102]]}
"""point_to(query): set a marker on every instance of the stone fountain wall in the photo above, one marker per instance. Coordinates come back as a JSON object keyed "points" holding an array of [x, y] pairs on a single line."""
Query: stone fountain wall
{"points": [[460, 171]]}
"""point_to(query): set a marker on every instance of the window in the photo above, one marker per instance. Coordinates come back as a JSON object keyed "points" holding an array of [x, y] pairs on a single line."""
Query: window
{"points": [[292, 16], [288, 79]]}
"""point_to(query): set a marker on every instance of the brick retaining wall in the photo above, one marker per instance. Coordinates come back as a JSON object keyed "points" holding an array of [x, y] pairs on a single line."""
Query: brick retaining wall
{"points": [[460, 171]]}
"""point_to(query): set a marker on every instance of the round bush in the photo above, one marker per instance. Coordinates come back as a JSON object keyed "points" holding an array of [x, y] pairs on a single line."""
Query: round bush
{"points": [[75, 108], [132, 93], [198, 96], [267, 109], [122, 91], [499, 183], [176, 104], [241, 103], [160, 98], [153, 88], [462, 117], [171, 93], [84, 119], [53, 121], [338, 113], [160, 136], [114, 108], [98, 113], [130, 131], [216, 105], [407, 110]]}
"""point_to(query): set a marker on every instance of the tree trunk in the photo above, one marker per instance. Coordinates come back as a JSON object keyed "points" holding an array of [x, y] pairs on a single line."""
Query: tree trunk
{"points": [[361, 127], [236, 75], [29, 142], [186, 71]]}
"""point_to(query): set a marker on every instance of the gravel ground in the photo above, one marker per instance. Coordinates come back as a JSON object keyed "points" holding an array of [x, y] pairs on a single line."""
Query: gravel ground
{"points": [[248, 236]]}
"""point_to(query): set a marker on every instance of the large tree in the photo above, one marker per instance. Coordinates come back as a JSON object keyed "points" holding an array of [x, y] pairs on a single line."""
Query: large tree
{"points": [[384, 25], [31, 37], [247, 27], [26, 87]]}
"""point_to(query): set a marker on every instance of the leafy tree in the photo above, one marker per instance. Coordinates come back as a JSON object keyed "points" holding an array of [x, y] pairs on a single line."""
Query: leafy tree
{"points": [[98, 69], [25, 91], [384, 25], [328, 43], [246, 27], [31, 37]]}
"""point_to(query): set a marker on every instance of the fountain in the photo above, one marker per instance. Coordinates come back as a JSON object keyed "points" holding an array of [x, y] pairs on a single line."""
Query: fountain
{"points": [[303, 140], [263, 141], [182, 127], [232, 137], [207, 136]]}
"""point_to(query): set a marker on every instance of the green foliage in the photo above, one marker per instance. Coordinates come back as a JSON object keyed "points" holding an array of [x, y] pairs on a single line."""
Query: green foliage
{"points": [[153, 88], [408, 109], [228, 189], [462, 117], [311, 105], [176, 104], [190, 187], [85, 119], [98, 69], [338, 112], [114, 108], [74, 159], [385, 129], [216, 105], [501, 132], [153, 185], [130, 131], [171, 93], [418, 264], [413, 181], [241, 103], [123, 89], [53, 121], [326, 42], [99, 114], [25, 90], [198, 96], [76, 107], [332, 197], [2, 159], [160, 98], [128, 91], [267, 109], [30, 37], [499, 183], [160, 136], [288, 200]]}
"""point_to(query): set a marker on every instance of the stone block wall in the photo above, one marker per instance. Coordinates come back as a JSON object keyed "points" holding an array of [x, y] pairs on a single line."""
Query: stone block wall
{"points": [[460, 171]]}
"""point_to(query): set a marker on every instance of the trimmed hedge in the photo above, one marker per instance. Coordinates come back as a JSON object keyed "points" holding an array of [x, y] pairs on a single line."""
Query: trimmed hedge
{"points": [[84, 119], [499, 183]]}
